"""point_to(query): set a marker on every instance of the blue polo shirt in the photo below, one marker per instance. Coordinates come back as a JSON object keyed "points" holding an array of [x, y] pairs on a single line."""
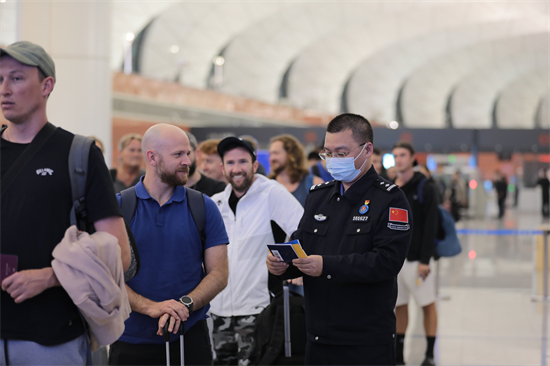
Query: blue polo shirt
{"points": [[170, 252]]}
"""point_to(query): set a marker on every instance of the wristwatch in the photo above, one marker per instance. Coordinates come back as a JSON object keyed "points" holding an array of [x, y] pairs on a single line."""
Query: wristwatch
{"points": [[187, 301]]}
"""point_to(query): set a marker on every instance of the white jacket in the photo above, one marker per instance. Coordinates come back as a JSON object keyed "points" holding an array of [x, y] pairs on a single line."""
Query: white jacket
{"points": [[90, 269], [249, 233]]}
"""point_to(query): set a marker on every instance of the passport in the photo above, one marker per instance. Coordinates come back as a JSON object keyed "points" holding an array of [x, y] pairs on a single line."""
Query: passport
{"points": [[8, 265], [286, 252]]}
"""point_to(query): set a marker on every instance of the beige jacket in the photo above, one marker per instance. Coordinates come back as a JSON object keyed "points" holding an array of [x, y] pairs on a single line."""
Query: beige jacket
{"points": [[89, 268]]}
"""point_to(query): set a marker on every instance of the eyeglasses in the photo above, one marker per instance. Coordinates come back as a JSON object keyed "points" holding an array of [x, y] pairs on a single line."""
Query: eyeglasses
{"points": [[324, 155]]}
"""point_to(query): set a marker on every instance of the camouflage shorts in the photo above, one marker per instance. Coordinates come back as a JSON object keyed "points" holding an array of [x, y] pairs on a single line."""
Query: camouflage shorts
{"points": [[233, 339]]}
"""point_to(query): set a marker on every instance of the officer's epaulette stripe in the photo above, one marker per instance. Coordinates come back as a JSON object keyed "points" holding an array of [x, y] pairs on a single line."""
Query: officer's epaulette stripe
{"points": [[385, 185], [323, 185]]}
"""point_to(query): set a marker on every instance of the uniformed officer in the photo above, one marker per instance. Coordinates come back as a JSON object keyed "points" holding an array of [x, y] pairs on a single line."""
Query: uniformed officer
{"points": [[356, 231]]}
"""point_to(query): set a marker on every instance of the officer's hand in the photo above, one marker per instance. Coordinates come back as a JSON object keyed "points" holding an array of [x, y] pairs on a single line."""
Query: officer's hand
{"points": [[275, 266], [423, 270], [297, 281], [311, 265], [173, 327]]}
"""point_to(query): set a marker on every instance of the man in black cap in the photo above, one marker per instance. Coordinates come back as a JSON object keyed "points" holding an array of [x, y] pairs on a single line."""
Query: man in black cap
{"points": [[40, 323], [253, 207]]}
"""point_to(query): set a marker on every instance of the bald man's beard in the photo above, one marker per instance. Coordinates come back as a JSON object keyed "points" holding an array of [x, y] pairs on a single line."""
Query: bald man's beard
{"points": [[172, 178]]}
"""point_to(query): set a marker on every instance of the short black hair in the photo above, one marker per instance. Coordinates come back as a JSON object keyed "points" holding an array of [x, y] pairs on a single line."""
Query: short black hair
{"points": [[314, 155], [361, 129], [405, 145]]}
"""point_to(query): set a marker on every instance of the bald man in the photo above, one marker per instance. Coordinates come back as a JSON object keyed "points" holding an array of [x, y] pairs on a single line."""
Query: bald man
{"points": [[172, 284]]}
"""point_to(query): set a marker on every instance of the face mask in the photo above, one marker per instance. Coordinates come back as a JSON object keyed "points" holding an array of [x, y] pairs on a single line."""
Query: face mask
{"points": [[343, 169]]}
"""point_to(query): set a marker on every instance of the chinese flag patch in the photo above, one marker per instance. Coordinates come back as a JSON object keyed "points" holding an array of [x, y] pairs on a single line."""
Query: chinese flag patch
{"points": [[399, 215]]}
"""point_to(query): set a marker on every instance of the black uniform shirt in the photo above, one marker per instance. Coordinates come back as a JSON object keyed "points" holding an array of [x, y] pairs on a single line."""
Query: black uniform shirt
{"points": [[363, 236]]}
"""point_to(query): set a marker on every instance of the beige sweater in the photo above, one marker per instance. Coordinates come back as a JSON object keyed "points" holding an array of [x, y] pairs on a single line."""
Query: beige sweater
{"points": [[89, 268]]}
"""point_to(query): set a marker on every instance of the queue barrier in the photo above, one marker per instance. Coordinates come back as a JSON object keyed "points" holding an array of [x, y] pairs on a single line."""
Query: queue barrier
{"points": [[541, 263]]}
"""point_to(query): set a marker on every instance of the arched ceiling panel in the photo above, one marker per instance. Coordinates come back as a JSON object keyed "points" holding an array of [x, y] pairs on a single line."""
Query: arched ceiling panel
{"points": [[519, 100], [326, 64], [473, 100], [258, 57], [427, 90], [374, 86], [199, 30], [131, 17]]}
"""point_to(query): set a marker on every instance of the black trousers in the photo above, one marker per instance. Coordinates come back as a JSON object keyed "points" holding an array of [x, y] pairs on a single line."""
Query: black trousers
{"points": [[501, 207], [197, 348], [545, 209], [328, 354]]}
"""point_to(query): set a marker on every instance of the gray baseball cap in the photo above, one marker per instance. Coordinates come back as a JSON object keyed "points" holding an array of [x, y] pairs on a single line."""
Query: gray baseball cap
{"points": [[31, 54]]}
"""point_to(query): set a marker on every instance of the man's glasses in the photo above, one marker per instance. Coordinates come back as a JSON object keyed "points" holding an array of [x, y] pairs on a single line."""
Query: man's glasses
{"points": [[323, 155]]}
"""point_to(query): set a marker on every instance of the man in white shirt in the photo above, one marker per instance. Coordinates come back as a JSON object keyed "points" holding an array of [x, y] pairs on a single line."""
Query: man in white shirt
{"points": [[252, 206]]}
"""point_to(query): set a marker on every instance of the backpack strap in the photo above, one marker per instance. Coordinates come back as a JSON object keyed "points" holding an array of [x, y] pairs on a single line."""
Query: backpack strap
{"points": [[420, 190], [128, 204], [195, 202], [78, 172], [23, 160]]}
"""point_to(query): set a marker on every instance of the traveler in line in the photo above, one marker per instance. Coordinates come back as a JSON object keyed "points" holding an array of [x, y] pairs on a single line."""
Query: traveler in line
{"points": [[178, 276], [198, 181], [416, 278], [288, 166], [210, 161], [130, 159], [40, 322], [544, 183], [501, 187], [252, 207]]}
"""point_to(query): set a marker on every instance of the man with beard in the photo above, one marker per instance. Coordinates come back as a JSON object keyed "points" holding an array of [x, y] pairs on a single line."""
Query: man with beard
{"points": [[172, 284], [250, 206], [288, 166], [198, 181]]}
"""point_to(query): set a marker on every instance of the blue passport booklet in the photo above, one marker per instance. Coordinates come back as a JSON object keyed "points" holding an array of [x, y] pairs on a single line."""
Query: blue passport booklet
{"points": [[286, 252]]}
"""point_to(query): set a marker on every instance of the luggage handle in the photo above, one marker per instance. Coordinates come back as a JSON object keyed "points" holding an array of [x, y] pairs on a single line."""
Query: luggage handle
{"points": [[166, 335]]}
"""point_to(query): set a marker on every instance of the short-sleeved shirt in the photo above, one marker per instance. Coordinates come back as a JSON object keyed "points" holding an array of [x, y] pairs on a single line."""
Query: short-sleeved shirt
{"points": [[170, 251], [35, 216]]}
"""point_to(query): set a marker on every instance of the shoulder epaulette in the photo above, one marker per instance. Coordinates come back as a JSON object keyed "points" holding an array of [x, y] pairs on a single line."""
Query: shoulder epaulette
{"points": [[385, 185], [322, 185]]}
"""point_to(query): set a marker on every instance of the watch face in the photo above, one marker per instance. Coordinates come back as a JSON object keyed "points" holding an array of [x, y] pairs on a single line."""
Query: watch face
{"points": [[186, 300]]}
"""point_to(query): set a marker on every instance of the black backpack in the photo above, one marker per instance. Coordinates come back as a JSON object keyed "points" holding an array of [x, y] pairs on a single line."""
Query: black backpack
{"points": [[269, 333]]}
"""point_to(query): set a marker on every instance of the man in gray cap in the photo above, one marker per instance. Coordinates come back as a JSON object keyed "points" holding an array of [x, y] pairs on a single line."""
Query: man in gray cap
{"points": [[40, 323]]}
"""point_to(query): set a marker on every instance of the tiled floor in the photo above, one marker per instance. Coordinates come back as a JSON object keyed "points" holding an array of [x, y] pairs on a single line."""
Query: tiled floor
{"points": [[486, 312]]}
